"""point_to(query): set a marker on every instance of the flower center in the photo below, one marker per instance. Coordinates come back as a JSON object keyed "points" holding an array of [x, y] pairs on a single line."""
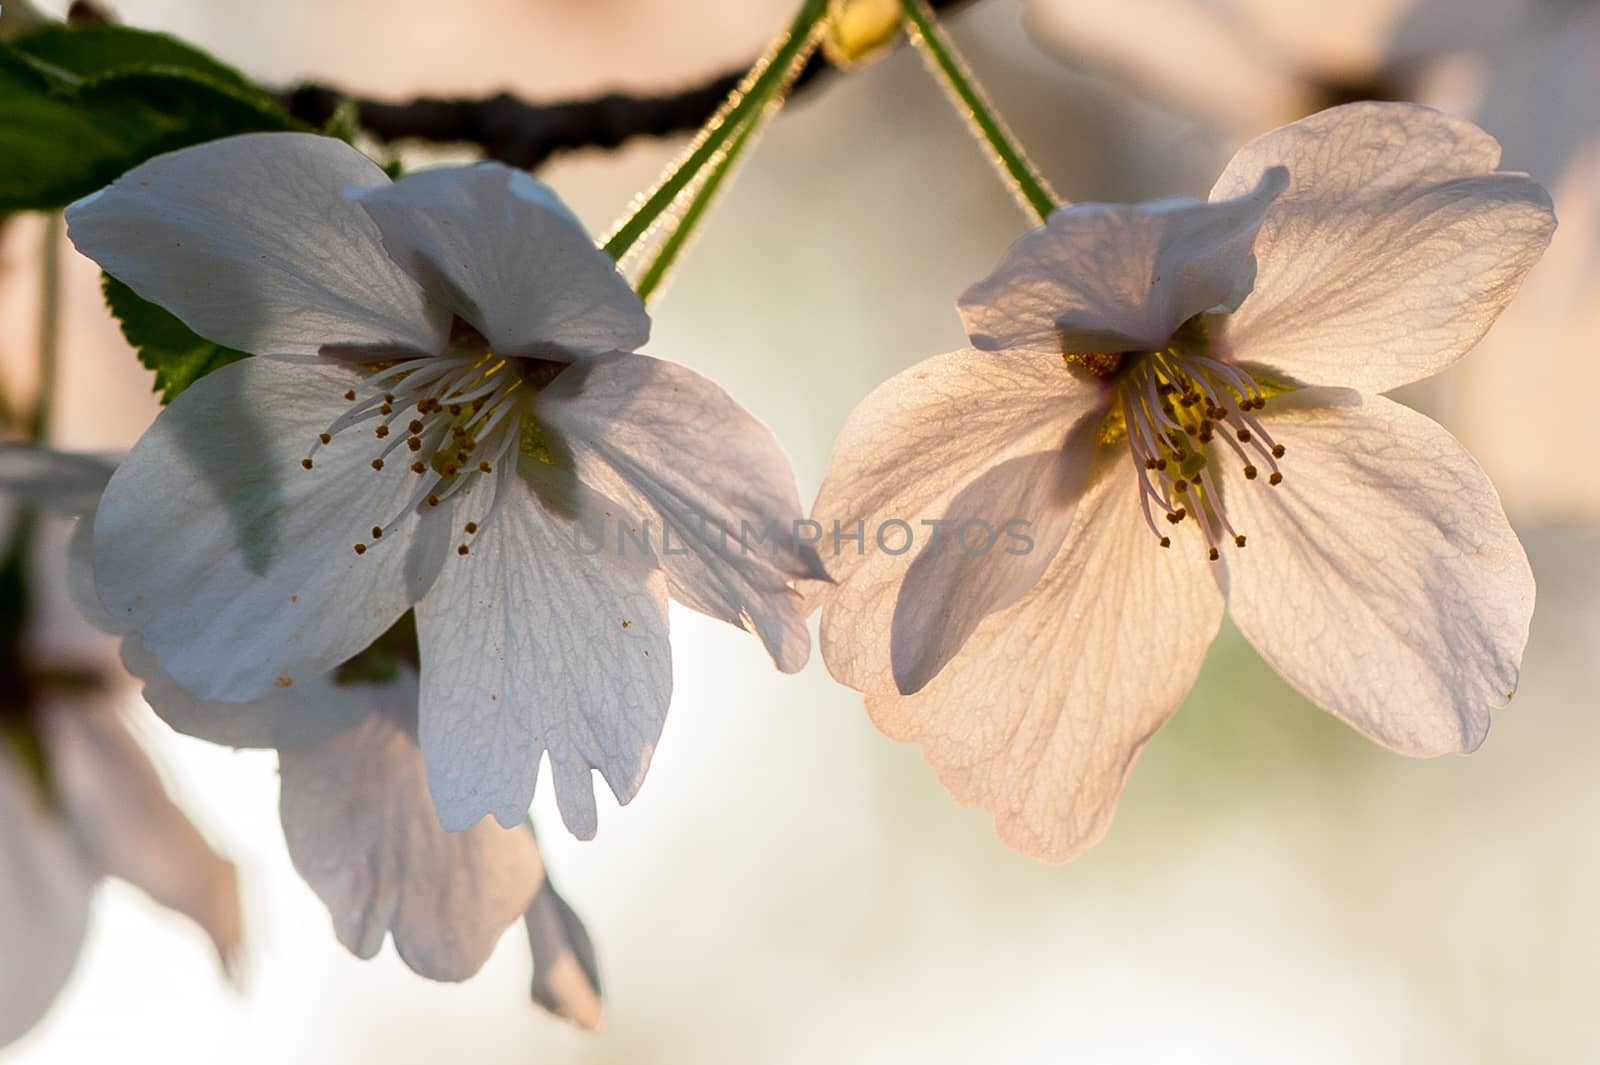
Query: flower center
{"points": [[1173, 406], [459, 419]]}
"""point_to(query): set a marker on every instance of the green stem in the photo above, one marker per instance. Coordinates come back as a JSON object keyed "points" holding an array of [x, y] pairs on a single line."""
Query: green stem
{"points": [[716, 175], [674, 245], [748, 100], [1027, 183]]}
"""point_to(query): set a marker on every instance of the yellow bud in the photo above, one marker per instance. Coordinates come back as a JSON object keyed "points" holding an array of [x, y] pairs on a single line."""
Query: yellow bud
{"points": [[860, 30]]}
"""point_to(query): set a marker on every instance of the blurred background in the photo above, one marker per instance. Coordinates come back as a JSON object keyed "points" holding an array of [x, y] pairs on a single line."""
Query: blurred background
{"points": [[792, 887]]}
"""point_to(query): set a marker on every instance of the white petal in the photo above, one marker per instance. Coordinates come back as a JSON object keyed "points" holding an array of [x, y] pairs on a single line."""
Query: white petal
{"points": [[58, 481], [904, 456], [45, 888], [132, 830], [566, 976], [507, 255], [236, 564], [531, 643], [251, 242], [1041, 715], [1393, 250], [1115, 277], [308, 712], [1003, 531], [363, 833], [1381, 578], [716, 484]]}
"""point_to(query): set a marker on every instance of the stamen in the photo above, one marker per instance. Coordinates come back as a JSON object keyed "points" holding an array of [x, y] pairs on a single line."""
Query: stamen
{"points": [[1175, 404]]}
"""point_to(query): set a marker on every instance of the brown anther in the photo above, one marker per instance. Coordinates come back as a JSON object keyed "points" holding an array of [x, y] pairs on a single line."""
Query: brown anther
{"points": [[454, 409], [387, 408], [377, 464], [1278, 450], [1276, 478], [1149, 464], [1213, 554], [1183, 512], [416, 426], [1180, 486], [1161, 464], [458, 431], [1205, 436], [1174, 517], [381, 431], [461, 550], [471, 527], [1250, 473], [1166, 541], [450, 469], [433, 501], [377, 532], [388, 397], [484, 467], [469, 443], [419, 467], [361, 549], [1238, 541], [415, 443], [306, 463], [326, 438], [350, 395], [1243, 435]]}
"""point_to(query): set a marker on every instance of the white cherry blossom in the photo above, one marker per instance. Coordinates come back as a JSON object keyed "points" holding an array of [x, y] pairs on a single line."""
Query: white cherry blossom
{"points": [[1182, 399], [362, 832], [446, 413]]}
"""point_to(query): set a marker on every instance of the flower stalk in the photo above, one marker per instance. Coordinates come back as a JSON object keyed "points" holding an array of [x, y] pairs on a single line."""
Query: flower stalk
{"points": [[1029, 186], [762, 87]]}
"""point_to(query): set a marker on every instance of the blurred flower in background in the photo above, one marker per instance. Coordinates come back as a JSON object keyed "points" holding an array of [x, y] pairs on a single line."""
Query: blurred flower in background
{"points": [[80, 797]]}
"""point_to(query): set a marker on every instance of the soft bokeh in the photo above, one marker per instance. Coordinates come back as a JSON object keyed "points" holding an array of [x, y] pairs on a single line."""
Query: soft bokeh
{"points": [[790, 886]]}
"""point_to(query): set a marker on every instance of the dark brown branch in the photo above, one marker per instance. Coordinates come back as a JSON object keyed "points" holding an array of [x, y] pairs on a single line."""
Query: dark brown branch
{"points": [[522, 134]]}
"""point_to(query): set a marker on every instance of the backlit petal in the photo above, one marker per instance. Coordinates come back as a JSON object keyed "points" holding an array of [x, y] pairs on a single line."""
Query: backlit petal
{"points": [[1393, 250], [251, 242], [508, 256], [1119, 277], [531, 643], [1040, 717], [1382, 578], [236, 563]]}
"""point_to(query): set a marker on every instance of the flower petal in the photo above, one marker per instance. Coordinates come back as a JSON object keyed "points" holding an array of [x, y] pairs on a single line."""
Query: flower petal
{"points": [[1041, 715], [664, 441], [309, 712], [532, 642], [902, 461], [1117, 277], [363, 833], [59, 481], [250, 241], [45, 889], [509, 258], [1382, 578], [234, 562], [1021, 511], [131, 828], [566, 975], [1393, 250]]}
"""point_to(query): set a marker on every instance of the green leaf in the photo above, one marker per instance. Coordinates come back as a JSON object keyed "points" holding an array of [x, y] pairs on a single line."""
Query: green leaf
{"points": [[178, 355], [85, 105], [89, 52]]}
